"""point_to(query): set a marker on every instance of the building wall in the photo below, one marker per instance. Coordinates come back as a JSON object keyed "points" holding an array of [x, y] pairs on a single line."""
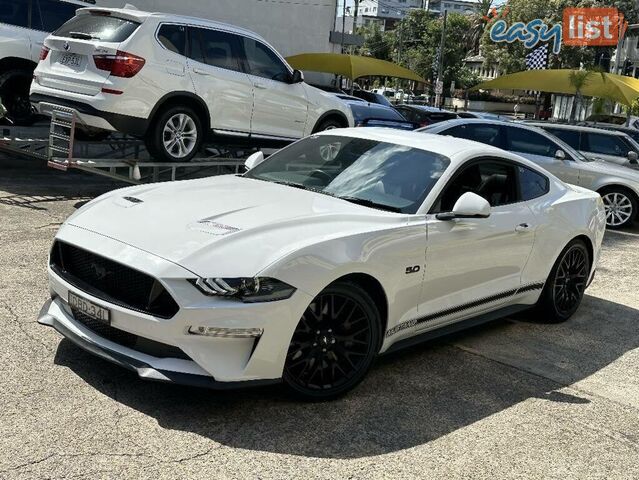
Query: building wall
{"points": [[291, 26]]}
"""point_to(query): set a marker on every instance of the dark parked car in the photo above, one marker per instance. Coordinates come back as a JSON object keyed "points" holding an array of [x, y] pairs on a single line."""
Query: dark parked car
{"points": [[368, 114], [423, 115], [372, 97]]}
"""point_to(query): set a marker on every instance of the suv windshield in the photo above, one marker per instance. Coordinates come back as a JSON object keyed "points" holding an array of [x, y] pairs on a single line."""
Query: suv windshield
{"points": [[98, 27], [372, 173]]}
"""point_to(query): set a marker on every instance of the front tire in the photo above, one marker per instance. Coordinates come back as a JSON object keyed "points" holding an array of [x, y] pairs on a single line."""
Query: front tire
{"points": [[566, 284], [334, 344], [621, 207], [176, 135]]}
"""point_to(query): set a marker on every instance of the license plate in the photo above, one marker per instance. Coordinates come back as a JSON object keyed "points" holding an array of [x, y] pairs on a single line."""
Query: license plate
{"points": [[70, 60], [90, 309]]}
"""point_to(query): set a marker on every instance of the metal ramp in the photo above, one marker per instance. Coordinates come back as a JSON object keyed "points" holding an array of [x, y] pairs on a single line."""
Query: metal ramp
{"points": [[119, 157]]}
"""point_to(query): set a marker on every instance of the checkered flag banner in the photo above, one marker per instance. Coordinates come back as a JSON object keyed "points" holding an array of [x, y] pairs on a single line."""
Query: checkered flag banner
{"points": [[538, 58]]}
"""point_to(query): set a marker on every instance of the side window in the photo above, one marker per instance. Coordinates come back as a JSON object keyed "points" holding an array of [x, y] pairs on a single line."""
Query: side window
{"points": [[532, 184], [215, 48], [483, 133], [173, 37], [571, 137], [49, 15], [606, 145], [408, 114], [525, 141], [14, 12], [263, 62], [494, 181]]}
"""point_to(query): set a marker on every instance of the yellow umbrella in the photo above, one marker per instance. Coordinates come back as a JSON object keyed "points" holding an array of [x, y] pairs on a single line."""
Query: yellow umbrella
{"points": [[351, 66], [597, 84]]}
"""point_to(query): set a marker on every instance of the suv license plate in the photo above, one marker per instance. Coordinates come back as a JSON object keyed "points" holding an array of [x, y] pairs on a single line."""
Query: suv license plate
{"points": [[70, 60], [90, 309]]}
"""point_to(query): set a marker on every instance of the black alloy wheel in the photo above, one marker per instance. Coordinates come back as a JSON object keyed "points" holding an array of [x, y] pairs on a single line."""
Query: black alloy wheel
{"points": [[566, 285], [334, 344]]}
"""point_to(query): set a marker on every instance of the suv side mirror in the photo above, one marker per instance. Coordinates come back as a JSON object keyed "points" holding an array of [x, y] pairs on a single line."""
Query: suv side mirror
{"points": [[297, 77], [254, 160], [633, 156], [469, 205], [560, 155]]}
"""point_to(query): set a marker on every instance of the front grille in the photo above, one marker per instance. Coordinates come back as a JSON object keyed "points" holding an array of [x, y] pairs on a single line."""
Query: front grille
{"points": [[129, 340], [112, 281]]}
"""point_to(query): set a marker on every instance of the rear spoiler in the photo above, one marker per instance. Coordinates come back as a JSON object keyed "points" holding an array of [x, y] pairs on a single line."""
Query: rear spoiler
{"points": [[131, 14]]}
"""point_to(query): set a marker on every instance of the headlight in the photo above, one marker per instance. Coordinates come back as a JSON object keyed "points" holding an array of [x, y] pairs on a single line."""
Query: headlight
{"points": [[250, 290]]}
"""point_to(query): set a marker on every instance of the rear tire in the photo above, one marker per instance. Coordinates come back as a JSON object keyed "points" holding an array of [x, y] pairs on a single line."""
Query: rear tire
{"points": [[566, 284], [14, 94], [621, 207], [175, 135], [330, 124], [334, 344]]}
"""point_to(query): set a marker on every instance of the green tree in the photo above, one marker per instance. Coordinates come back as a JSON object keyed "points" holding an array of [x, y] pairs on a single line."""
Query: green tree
{"points": [[377, 44]]}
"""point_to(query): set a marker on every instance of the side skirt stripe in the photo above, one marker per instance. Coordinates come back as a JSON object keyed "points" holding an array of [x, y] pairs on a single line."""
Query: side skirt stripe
{"points": [[466, 306]]}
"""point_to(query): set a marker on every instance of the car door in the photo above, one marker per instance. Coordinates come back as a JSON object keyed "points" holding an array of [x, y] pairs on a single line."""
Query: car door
{"points": [[281, 107], [605, 147], [46, 17], [542, 150], [215, 65], [474, 265]]}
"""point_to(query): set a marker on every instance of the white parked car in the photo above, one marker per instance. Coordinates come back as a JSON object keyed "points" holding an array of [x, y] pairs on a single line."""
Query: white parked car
{"points": [[619, 186], [174, 80], [339, 247], [24, 24]]}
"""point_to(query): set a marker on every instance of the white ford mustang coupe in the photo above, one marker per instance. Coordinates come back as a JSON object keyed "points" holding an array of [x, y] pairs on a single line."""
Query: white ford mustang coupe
{"points": [[342, 246]]}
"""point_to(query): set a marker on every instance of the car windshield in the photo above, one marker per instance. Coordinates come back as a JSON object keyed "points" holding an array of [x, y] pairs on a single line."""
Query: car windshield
{"points": [[367, 172]]}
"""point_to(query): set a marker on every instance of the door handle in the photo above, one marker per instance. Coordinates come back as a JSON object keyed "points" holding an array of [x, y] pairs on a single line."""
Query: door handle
{"points": [[261, 86], [199, 71], [523, 227]]}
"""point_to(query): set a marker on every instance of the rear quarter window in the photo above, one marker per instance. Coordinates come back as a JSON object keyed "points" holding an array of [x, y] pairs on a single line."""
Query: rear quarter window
{"points": [[532, 184], [173, 38], [14, 12], [48, 15], [104, 28]]}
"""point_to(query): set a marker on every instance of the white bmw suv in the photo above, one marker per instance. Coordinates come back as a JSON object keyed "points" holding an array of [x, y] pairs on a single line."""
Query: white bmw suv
{"points": [[176, 80]]}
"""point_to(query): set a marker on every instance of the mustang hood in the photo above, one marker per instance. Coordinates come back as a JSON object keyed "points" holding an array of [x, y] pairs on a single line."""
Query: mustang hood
{"points": [[225, 226]]}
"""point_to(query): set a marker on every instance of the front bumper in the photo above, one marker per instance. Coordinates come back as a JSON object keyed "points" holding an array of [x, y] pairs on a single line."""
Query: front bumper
{"points": [[133, 360], [212, 360]]}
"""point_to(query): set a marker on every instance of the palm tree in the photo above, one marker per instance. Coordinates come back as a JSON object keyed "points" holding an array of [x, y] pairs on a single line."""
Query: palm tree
{"points": [[478, 25], [578, 80]]}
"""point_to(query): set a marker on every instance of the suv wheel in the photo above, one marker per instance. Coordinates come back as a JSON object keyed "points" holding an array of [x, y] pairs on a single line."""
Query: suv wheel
{"points": [[329, 124], [175, 136], [14, 94], [621, 207]]}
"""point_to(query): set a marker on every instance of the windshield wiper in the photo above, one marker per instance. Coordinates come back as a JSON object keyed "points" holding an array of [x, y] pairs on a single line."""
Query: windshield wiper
{"points": [[292, 184], [83, 36], [369, 203]]}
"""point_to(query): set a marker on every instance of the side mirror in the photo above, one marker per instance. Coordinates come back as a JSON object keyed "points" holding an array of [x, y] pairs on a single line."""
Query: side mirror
{"points": [[297, 77], [560, 155], [633, 156], [469, 205], [254, 160]]}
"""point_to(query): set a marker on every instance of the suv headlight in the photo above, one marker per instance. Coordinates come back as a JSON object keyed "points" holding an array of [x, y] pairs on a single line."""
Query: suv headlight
{"points": [[249, 290]]}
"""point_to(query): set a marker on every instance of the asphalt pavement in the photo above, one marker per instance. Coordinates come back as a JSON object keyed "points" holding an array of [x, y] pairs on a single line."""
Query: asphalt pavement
{"points": [[513, 399]]}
